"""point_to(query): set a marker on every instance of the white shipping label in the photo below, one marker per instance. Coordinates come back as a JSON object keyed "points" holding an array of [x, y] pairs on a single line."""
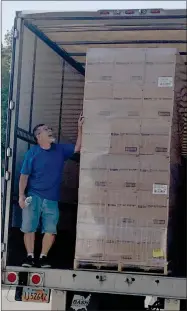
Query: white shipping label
{"points": [[160, 189], [165, 81]]}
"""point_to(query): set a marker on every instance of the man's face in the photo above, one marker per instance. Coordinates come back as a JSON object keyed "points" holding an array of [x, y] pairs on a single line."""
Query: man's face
{"points": [[45, 135]]}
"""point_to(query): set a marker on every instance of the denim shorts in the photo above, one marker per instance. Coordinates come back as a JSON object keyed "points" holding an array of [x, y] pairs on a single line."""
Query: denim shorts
{"points": [[43, 209]]}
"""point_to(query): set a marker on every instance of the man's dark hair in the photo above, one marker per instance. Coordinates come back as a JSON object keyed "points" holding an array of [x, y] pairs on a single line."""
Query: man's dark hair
{"points": [[35, 130]]}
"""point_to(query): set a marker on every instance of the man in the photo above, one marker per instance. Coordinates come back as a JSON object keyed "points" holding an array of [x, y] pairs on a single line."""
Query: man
{"points": [[41, 174]]}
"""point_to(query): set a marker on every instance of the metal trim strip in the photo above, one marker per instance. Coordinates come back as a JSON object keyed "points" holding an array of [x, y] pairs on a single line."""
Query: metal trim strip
{"points": [[114, 282], [87, 18], [122, 42], [61, 101], [151, 28], [33, 82], [8, 130], [61, 52], [84, 54], [13, 131]]}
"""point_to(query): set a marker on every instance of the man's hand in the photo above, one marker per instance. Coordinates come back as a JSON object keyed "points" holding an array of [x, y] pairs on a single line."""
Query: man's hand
{"points": [[22, 199], [80, 121]]}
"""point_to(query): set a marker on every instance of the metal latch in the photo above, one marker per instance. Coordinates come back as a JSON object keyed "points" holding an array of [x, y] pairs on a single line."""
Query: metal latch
{"points": [[3, 247], [15, 33], [7, 175], [9, 152], [11, 105]]}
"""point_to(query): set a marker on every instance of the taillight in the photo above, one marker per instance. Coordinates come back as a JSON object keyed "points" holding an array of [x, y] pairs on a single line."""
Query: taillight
{"points": [[155, 11], [36, 279], [12, 278], [104, 12], [129, 12]]}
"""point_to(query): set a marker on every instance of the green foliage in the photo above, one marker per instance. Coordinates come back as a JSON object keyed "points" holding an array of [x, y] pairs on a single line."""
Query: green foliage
{"points": [[6, 48]]}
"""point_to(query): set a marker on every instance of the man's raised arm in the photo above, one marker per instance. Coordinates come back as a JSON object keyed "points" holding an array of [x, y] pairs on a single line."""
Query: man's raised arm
{"points": [[79, 136]]}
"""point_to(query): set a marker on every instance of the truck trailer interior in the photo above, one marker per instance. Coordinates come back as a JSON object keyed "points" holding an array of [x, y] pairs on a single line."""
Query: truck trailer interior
{"points": [[47, 86]]}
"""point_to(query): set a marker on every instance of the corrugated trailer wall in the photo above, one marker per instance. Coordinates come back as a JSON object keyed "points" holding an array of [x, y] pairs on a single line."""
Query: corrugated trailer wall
{"points": [[73, 93], [28, 52], [51, 92], [47, 87]]}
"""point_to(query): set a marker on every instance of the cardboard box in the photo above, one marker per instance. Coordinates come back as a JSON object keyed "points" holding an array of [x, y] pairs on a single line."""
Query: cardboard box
{"points": [[155, 144], [129, 73], [111, 251], [126, 144], [110, 161], [128, 234], [161, 55], [155, 127], [110, 179], [117, 55], [141, 212], [140, 247], [104, 196], [154, 92], [130, 156], [92, 142], [127, 91], [112, 126], [154, 72], [112, 108], [99, 72], [98, 90], [155, 162], [155, 108], [149, 180]]}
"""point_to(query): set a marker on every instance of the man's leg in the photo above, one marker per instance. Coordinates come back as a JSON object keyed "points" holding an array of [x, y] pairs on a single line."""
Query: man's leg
{"points": [[29, 239], [47, 243], [30, 221], [50, 216]]}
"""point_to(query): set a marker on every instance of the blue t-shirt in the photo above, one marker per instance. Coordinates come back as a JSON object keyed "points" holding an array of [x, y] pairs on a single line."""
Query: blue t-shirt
{"points": [[45, 168]]}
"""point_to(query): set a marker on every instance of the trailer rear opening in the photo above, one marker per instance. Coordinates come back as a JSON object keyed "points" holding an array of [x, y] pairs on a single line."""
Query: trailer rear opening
{"points": [[47, 86]]}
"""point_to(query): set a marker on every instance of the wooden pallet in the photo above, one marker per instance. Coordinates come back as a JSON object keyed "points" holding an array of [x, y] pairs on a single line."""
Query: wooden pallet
{"points": [[145, 269], [119, 267], [95, 265]]}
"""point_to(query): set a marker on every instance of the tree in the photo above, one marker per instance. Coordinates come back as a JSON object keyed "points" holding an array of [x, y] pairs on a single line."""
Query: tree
{"points": [[6, 48]]}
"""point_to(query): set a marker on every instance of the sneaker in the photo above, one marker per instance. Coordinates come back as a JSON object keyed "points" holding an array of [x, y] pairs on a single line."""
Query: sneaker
{"points": [[29, 262], [44, 263]]}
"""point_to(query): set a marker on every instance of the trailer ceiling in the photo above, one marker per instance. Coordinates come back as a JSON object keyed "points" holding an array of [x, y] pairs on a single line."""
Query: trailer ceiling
{"points": [[75, 32]]}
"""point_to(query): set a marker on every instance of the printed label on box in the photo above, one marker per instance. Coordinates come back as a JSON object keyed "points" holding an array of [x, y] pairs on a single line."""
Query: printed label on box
{"points": [[157, 253], [165, 81], [131, 149], [164, 113], [160, 189], [161, 149]]}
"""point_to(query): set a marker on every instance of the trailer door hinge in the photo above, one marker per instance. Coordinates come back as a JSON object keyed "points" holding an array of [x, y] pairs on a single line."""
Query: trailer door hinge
{"points": [[15, 33], [7, 175], [11, 105], [9, 152], [3, 247]]}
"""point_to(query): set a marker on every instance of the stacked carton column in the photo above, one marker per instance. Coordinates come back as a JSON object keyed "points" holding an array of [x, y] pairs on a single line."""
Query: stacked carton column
{"points": [[131, 123]]}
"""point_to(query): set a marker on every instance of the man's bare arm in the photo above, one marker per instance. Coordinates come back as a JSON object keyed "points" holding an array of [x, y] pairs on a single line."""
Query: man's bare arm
{"points": [[79, 141], [22, 186], [79, 136]]}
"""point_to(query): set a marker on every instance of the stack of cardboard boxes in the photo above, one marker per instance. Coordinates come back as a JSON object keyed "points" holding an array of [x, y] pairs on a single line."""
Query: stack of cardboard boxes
{"points": [[130, 155]]}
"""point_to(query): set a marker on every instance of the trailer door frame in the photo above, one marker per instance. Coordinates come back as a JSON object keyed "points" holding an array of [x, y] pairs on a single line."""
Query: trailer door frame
{"points": [[12, 126]]}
